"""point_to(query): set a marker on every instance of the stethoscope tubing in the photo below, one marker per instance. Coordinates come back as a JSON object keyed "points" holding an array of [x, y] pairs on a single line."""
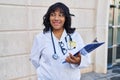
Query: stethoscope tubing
{"points": [[55, 55]]}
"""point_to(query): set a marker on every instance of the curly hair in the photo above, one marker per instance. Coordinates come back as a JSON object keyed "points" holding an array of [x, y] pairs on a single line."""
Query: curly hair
{"points": [[65, 10]]}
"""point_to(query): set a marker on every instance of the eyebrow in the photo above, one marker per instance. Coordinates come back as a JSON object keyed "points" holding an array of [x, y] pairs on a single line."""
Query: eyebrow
{"points": [[54, 12], [58, 9]]}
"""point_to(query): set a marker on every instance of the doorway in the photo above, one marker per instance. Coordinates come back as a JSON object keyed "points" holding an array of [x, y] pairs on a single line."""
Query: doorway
{"points": [[114, 33]]}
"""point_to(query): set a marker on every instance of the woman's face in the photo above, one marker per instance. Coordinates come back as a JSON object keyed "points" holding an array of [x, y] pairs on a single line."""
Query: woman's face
{"points": [[57, 20]]}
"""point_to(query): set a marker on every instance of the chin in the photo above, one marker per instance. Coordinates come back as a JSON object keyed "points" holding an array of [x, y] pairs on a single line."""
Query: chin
{"points": [[57, 28]]}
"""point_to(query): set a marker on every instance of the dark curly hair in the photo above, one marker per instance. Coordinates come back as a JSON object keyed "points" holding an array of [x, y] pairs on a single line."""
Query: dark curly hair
{"points": [[65, 10]]}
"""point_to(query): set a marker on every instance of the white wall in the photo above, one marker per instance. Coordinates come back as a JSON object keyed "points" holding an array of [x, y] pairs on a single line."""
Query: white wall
{"points": [[102, 17], [20, 20]]}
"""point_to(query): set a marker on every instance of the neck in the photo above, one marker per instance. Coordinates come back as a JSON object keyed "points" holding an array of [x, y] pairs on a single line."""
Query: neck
{"points": [[58, 33]]}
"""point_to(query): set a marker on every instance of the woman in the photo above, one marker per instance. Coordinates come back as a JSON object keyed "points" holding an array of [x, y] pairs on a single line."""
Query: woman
{"points": [[53, 49]]}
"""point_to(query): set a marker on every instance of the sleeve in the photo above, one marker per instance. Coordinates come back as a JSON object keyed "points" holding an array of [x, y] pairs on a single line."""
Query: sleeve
{"points": [[85, 59], [35, 52]]}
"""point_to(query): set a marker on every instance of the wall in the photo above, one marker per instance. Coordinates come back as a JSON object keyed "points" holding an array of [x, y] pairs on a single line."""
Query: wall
{"points": [[102, 17], [20, 20]]}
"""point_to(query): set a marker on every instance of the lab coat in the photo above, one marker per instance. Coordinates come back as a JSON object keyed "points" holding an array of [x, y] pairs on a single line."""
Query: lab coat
{"points": [[50, 69]]}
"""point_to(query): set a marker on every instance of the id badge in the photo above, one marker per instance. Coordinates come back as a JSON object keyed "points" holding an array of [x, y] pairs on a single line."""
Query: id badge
{"points": [[72, 44]]}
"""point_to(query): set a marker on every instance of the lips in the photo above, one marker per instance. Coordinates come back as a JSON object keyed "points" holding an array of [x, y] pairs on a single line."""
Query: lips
{"points": [[56, 23]]}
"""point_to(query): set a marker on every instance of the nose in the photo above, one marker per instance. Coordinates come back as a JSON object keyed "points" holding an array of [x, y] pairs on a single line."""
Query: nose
{"points": [[56, 17]]}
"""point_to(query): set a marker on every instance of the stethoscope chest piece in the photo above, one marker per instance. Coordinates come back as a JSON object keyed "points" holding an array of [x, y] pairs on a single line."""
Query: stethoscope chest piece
{"points": [[55, 56]]}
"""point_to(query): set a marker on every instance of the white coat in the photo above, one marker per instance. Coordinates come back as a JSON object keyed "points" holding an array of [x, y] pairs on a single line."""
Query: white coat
{"points": [[50, 69]]}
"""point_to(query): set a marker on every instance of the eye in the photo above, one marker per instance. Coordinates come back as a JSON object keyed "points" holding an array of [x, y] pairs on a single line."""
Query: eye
{"points": [[52, 14], [61, 15]]}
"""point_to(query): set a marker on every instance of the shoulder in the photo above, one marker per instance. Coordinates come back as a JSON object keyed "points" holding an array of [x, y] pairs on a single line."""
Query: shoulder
{"points": [[76, 36], [39, 35], [42, 36]]}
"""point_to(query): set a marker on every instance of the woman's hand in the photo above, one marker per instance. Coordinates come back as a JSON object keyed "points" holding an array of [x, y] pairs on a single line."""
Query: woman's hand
{"points": [[74, 59]]}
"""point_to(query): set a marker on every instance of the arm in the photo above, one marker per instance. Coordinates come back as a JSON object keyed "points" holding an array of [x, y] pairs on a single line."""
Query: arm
{"points": [[78, 61], [74, 59], [35, 52]]}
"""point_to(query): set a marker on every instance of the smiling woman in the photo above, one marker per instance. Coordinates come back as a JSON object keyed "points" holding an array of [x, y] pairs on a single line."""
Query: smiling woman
{"points": [[53, 46], [63, 11], [57, 19]]}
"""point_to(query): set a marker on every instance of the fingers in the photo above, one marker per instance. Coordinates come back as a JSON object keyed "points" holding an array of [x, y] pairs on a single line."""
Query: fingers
{"points": [[69, 60], [74, 59], [78, 55]]}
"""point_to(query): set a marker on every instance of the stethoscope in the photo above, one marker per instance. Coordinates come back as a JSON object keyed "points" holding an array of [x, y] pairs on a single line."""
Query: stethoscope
{"points": [[55, 55]]}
